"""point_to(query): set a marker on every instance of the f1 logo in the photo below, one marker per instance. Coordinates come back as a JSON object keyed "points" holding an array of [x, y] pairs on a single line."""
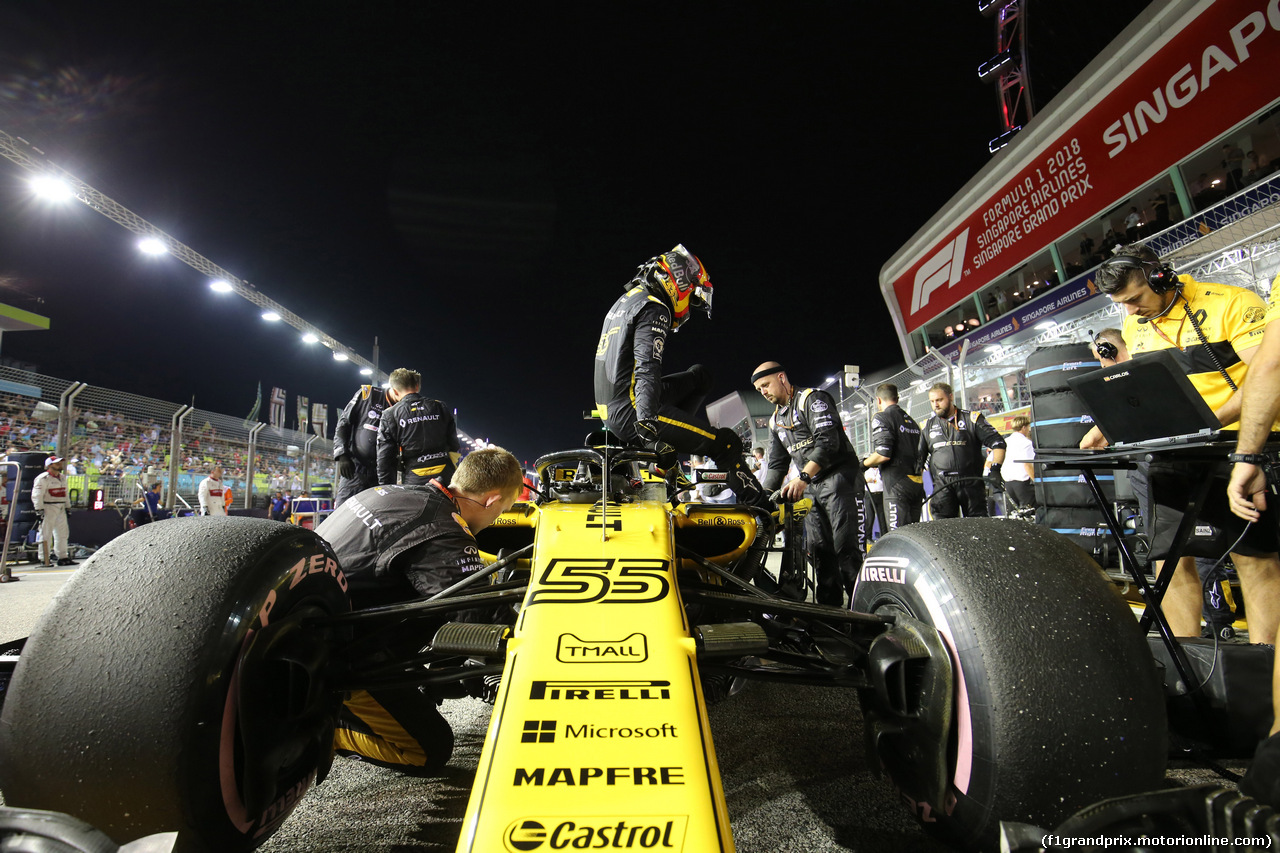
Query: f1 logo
{"points": [[945, 265]]}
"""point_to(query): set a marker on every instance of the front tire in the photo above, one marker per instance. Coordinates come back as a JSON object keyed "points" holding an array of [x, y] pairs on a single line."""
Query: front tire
{"points": [[1057, 699], [172, 684]]}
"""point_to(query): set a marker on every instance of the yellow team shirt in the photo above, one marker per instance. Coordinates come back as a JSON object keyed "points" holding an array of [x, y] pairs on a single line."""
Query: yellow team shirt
{"points": [[1232, 320]]}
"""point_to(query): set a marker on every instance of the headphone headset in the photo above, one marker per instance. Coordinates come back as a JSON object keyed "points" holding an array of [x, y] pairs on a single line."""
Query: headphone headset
{"points": [[1160, 276], [1105, 348]]}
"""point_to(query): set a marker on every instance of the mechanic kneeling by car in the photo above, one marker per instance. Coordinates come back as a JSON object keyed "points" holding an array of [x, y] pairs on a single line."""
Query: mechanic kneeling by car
{"points": [[403, 543]]}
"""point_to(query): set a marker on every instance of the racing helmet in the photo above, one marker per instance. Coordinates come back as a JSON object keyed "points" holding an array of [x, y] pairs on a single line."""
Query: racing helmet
{"points": [[681, 277]]}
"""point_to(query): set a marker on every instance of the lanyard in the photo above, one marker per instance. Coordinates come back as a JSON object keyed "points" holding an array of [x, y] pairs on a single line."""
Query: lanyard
{"points": [[1186, 312]]}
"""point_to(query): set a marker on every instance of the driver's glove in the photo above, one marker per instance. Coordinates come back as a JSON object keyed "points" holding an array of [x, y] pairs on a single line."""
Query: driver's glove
{"points": [[995, 479], [346, 466], [39, 515], [666, 454], [647, 429]]}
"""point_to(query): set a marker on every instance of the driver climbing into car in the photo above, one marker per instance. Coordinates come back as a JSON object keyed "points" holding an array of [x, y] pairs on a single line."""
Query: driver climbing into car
{"points": [[805, 429], [641, 405], [403, 543]]}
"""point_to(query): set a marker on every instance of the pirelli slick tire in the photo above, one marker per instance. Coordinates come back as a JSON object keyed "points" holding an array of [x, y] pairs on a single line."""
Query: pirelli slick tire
{"points": [[1057, 700], [1059, 419], [172, 684], [1067, 488], [1049, 368]]}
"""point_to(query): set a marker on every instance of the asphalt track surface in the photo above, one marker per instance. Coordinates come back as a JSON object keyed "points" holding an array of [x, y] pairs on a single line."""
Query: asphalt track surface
{"points": [[791, 758]]}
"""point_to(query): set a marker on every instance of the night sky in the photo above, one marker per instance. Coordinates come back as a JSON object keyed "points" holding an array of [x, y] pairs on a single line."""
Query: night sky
{"points": [[474, 186]]}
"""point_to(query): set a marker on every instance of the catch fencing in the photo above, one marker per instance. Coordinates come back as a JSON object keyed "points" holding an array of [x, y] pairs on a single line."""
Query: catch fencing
{"points": [[121, 443]]}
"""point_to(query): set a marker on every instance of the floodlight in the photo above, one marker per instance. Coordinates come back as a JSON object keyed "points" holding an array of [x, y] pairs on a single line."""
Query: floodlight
{"points": [[54, 189], [340, 356], [309, 338], [152, 246], [366, 371], [270, 316], [220, 286], [1046, 326]]}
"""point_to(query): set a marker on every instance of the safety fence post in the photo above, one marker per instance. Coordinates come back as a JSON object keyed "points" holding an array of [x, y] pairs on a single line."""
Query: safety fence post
{"points": [[62, 442], [306, 464], [251, 466]]}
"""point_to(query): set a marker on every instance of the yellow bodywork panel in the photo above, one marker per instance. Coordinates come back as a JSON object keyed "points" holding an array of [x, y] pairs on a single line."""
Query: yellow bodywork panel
{"points": [[599, 736]]}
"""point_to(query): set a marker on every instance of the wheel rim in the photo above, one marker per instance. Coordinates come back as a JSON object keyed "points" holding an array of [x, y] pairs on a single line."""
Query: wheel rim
{"points": [[278, 720]]}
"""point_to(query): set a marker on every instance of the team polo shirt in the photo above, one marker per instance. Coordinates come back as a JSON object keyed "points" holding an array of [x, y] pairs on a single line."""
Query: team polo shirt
{"points": [[1232, 319]]}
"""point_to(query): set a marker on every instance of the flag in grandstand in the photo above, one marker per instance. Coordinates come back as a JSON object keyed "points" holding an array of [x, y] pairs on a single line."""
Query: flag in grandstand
{"points": [[252, 417], [278, 398], [303, 403], [320, 419]]}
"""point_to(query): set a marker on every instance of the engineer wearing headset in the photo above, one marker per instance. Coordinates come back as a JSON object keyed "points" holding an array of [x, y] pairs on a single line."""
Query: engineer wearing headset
{"points": [[1213, 331]]}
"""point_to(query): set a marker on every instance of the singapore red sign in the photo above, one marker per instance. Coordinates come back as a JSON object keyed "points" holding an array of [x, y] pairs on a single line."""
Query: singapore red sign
{"points": [[1218, 70]]}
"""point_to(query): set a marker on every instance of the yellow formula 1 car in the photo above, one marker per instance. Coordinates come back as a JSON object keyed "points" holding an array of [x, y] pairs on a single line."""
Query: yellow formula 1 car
{"points": [[188, 677]]}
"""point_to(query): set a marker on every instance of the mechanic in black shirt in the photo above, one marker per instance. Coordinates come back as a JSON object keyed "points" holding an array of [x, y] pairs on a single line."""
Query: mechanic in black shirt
{"points": [[952, 441], [401, 543], [805, 428], [636, 400], [895, 435], [355, 441], [417, 437]]}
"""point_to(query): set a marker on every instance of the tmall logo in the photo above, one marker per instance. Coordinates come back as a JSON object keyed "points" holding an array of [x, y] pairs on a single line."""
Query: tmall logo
{"points": [[945, 266]]}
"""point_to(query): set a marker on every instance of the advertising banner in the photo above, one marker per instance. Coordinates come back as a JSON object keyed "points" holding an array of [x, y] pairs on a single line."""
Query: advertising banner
{"points": [[303, 404], [1070, 295], [1248, 203], [1215, 72]]}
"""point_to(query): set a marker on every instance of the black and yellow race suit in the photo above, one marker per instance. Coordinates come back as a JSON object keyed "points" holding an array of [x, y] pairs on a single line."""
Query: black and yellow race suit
{"points": [[809, 429], [630, 387], [896, 434], [418, 437], [953, 448], [399, 543], [356, 436]]}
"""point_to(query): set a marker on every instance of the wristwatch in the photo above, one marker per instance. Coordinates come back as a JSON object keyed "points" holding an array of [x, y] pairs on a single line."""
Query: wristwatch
{"points": [[805, 477], [1249, 458]]}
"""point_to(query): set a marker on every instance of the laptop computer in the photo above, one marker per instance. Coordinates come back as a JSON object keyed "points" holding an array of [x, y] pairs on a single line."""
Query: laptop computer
{"points": [[1145, 398]]}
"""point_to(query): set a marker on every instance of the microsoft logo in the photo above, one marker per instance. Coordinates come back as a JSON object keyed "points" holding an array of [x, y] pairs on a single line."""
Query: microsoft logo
{"points": [[539, 731]]}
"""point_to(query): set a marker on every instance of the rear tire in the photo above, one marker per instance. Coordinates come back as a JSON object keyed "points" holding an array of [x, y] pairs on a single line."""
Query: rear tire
{"points": [[127, 705], [1057, 699]]}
